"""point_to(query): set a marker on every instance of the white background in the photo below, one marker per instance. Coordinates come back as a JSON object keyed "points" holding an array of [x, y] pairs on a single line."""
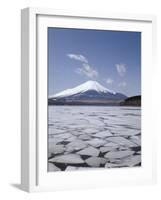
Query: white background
{"points": [[10, 98]]}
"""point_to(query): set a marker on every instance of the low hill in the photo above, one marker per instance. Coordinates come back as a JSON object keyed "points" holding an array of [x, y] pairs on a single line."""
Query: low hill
{"points": [[132, 101]]}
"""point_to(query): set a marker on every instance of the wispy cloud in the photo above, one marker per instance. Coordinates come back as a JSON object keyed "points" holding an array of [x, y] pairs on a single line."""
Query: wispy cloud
{"points": [[109, 81], [78, 57], [122, 84], [121, 69], [87, 70]]}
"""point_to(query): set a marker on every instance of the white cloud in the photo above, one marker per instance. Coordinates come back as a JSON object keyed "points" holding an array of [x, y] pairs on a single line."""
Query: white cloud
{"points": [[122, 84], [109, 81], [78, 57], [121, 69], [87, 70]]}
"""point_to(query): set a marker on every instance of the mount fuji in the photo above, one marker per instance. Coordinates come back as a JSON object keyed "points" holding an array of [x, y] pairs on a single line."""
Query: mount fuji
{"points": [[88, 93]]}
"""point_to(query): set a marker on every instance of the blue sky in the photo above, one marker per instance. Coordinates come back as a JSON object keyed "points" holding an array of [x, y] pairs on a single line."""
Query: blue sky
{"points": [[113, 58]]}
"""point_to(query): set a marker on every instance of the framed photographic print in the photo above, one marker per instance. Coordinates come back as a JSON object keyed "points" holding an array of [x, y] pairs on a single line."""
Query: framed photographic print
{"points": [[86, 99]]}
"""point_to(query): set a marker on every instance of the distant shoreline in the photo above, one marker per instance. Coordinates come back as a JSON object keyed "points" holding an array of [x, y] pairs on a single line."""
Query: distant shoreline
{"points": [[93, 105], [134, 101]]}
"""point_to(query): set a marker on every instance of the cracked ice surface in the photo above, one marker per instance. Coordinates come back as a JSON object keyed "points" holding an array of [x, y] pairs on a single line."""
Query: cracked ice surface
{"points": [[88, 137]]}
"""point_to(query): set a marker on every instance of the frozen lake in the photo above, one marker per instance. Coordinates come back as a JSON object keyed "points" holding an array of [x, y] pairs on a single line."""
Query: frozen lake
{"points": [[85, 137]]}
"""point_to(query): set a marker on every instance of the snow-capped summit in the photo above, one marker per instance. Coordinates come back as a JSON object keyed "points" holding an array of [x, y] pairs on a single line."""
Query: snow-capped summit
{"points": [[87, 86], [90, 92]]}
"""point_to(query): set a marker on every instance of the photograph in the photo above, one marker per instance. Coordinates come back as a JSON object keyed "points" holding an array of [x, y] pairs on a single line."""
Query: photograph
{"points": [[94, 99]]}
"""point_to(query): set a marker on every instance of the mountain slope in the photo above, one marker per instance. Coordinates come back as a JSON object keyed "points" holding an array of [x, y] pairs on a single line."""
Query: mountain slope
{"points": [[90, 92], [87, 86]]}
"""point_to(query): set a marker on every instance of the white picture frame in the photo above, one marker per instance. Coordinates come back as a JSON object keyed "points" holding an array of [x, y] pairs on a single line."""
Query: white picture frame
{"points": [[34, 176]]}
